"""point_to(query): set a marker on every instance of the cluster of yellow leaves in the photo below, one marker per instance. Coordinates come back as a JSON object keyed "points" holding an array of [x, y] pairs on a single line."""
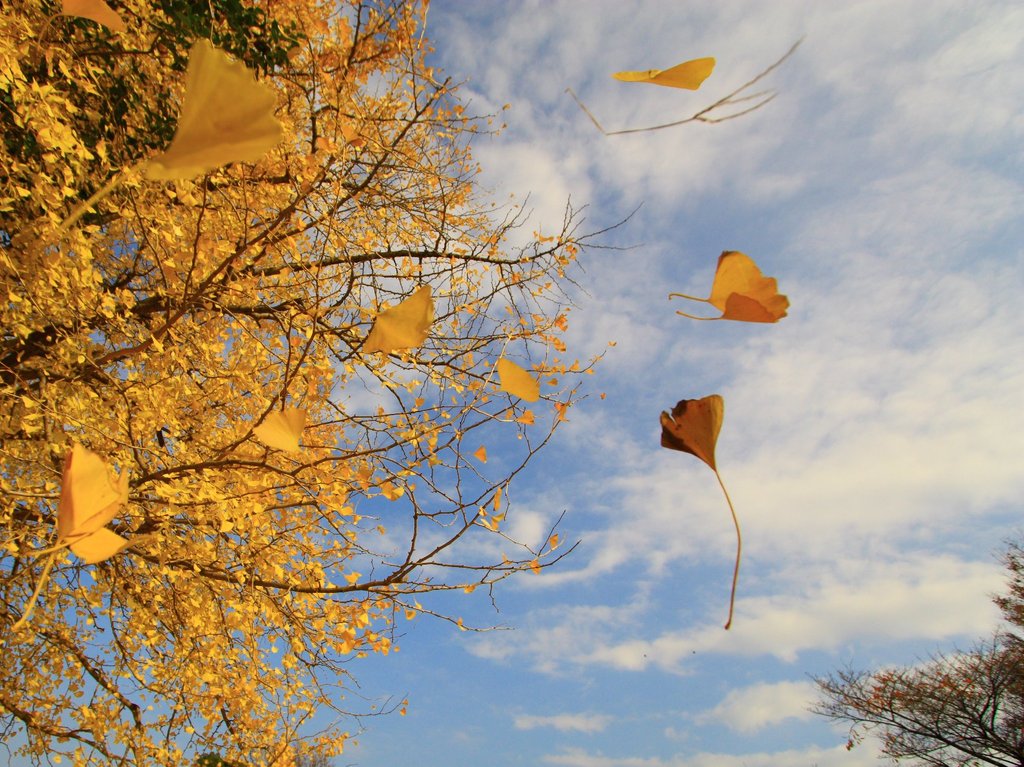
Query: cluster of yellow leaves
{"points": [[173, 314]]}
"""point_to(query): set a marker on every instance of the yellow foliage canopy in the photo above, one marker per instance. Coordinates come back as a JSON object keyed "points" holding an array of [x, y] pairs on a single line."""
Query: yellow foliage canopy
{"points": [[165, 324]]}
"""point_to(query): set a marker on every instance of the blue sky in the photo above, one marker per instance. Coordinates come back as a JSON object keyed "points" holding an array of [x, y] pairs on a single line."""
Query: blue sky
{"points": [[873, 438]]}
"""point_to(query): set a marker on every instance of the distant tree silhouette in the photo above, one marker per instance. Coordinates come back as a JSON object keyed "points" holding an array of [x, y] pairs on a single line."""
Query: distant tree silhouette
{"points": [[962, 709]]}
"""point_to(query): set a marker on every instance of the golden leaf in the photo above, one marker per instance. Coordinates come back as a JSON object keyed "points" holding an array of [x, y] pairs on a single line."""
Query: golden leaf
{"points": [[227, 116], [693, 427], [90, 496], [391, 491], [741, 292], [688, 75], [517, 381], [97, 546], [282, 429], [404, 326], [94, 10], [481, 454]]}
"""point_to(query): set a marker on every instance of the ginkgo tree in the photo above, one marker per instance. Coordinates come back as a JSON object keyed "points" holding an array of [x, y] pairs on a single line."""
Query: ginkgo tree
{"points": [[249, 372]]}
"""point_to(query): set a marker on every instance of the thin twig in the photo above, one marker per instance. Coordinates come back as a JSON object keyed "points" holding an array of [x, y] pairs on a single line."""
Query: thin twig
{"points": [[705, 115]]}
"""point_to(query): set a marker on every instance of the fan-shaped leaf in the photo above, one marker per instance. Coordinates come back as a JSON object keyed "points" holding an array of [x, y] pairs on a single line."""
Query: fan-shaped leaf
{"points": [[94, 10], [227, 116], [91, 495], [404, 326], [741, 292], [688, 75], [516, 381], [693, 427], [282, 429], [97, 546]]}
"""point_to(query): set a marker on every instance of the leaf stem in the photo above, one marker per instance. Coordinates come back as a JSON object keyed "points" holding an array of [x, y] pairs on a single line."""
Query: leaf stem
{"points": [[739, 549], [35, 594], [97, 196]]}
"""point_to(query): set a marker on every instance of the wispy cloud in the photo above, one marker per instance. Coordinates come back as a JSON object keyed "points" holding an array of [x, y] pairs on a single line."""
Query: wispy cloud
{"points": [[822, 757], [923, 597], [564, 722], [751, 709]]}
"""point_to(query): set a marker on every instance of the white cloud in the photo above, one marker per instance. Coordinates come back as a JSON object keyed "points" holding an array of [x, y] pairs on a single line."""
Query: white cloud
{"points": [[822, 757], [751, 709], [564, 722], [922, 598]]}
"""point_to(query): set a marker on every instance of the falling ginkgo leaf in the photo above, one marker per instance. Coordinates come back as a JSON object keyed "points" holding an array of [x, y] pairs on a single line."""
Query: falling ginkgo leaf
{"points": [[90, 496], [94, 10], [96, 547], [481, 454], [741, 292], [282, 429], [692, 427], [404, 326], [227, 116], [688, 75], [516, 381]]}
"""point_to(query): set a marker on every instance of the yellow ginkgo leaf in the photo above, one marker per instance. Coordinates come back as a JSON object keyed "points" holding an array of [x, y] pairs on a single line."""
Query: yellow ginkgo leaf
{"points": [[741, 292], [90, 496], [97, 546], [391, 491], [94, 10], [693, 427], [481, 454], [282, 429], [404, 326], [688, 75], [517, 381], [227, 116]]}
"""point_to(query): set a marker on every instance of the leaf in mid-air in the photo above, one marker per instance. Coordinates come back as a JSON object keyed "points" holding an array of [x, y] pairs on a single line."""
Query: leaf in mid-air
{"points": [[95, 547], [404, 326], [90, 496], [94, 10], [688, 75], [227, 116], [516, 381], [282, 429], [693, 427], [741, 292]]}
